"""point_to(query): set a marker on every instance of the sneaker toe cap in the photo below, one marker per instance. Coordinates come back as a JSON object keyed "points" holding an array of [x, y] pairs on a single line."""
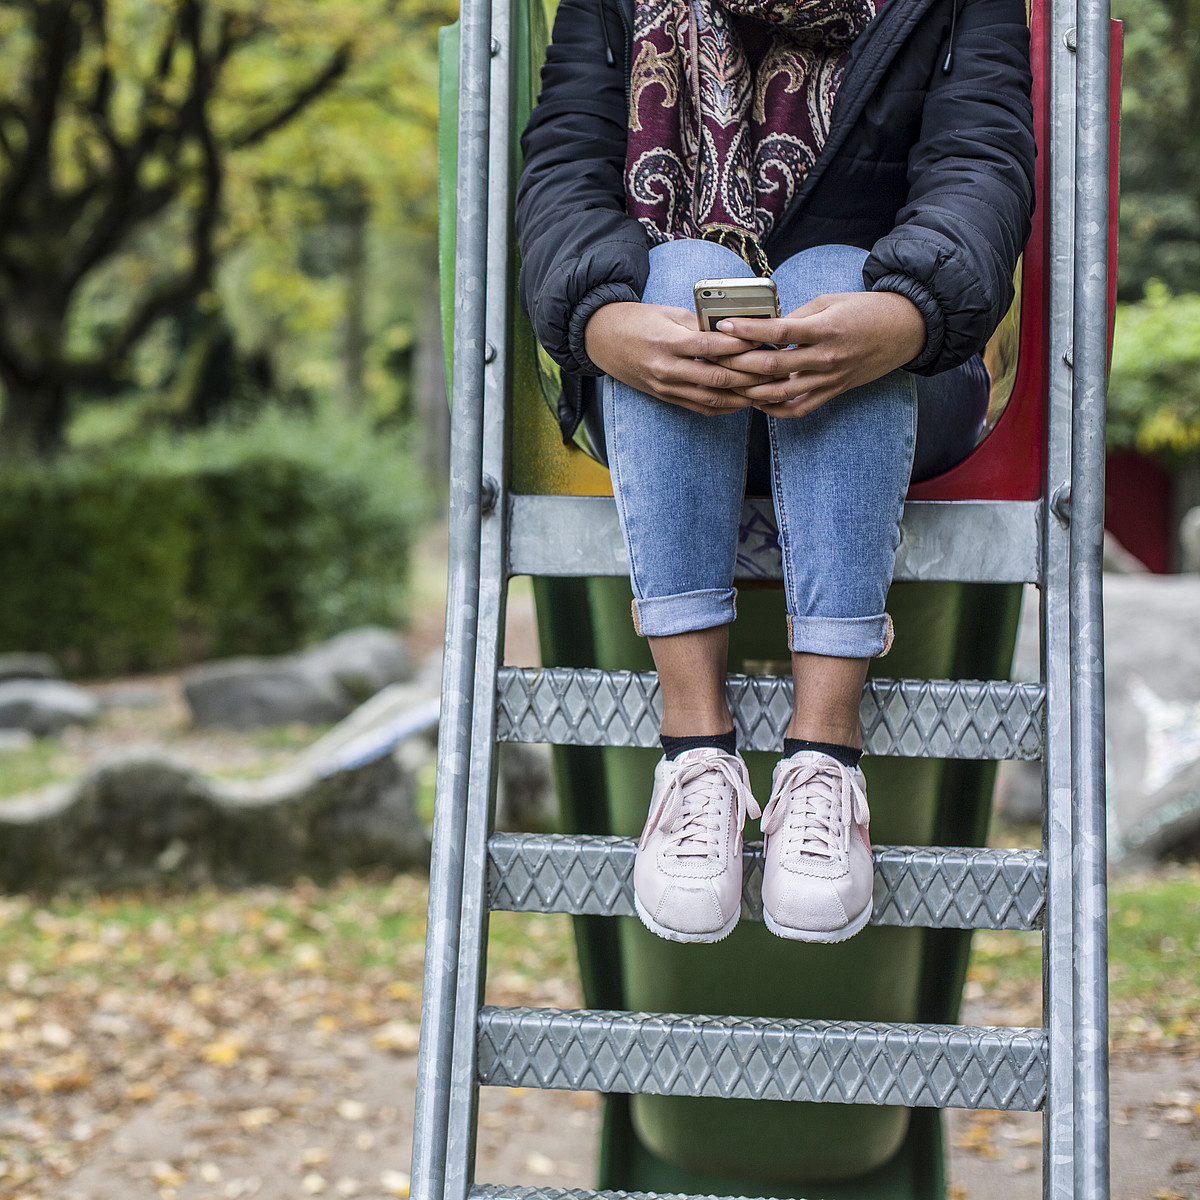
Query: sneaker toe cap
{"points": [[804, 902], [690, 910]]}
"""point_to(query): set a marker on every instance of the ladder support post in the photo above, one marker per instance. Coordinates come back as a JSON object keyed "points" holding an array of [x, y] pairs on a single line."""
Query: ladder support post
{"points": [[493, 587], [1090, 345], [462, 606]]}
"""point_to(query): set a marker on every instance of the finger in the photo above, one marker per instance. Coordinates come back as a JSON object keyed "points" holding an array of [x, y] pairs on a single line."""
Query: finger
{"points": [[781, 331], [707, 401], [781, 390], [801, 404], [703, 373]]}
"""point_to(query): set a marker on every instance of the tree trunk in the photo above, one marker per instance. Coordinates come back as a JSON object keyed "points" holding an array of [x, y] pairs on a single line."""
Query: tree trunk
{"points": [[352, 213], [33, 420]]}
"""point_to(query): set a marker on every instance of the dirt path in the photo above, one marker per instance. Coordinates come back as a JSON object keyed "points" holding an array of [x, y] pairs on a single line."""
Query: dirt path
{"points": [[343, 1127]]}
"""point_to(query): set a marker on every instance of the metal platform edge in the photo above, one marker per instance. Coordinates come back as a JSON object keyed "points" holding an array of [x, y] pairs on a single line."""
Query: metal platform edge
{"points": [[968, 541]]}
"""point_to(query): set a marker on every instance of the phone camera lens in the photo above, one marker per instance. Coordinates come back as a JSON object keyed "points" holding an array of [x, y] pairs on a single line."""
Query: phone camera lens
{"points": [[706, 292]]}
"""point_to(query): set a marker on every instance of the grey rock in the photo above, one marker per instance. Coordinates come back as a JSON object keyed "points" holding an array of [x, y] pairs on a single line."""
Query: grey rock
{"points": [[362, 661], [13, 740], [1152, 701], [44, 707], [315, 687], [525, 797], [249, 693], [29, 666], [1189, 540]]}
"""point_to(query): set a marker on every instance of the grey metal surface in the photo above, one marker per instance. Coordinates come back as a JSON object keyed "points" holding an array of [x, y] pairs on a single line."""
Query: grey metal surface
{"points": [[1089, 858], [916, 717], [1058, 1176], [464, 1090], [931, 886], [500, 1191], [975, 541], [760, 1058], [446, 865]]}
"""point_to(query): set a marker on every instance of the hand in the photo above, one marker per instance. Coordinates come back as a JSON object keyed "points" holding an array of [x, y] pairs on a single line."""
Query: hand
{"points": [[661, 351], [832, 344]]}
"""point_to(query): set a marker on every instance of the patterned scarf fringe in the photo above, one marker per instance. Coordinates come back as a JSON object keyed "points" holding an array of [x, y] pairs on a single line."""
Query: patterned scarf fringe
{"points": [[744, 245]]}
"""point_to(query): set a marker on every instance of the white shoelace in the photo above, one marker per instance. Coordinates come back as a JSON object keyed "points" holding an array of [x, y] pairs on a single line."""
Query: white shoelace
{"points": [[690, 808], [812, 806]]}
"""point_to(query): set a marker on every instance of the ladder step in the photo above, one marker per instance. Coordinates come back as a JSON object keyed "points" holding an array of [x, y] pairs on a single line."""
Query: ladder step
{"points": [[928, 718], [761, 1058], [971, 541], [500, 1191], [929, 886]]}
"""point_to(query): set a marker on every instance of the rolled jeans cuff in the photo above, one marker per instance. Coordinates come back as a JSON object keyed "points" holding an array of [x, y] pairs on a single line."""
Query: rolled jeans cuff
{"points": [[685, 612], [841, 637]]}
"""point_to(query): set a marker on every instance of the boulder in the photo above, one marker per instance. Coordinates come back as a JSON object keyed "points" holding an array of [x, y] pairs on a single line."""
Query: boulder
{"points": [[14, 740], [1152, 701], [362, 661], [44, 707], [249, 693], [28, 666], [318, 686]]}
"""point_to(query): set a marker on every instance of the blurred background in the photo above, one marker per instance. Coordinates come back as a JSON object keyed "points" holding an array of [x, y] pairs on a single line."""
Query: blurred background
{"points": [[223, 448]]}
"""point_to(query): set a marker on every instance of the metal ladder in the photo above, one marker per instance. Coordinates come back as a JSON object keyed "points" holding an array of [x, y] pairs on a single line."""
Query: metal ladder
{"points": [[1061, 1067]]}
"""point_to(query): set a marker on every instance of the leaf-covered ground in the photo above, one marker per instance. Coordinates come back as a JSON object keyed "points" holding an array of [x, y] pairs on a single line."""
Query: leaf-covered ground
{"points": [[269, 996], [177, 1041]]}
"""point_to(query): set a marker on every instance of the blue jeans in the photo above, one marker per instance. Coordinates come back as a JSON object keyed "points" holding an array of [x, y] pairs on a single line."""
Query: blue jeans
{"points": [[838, 479]]}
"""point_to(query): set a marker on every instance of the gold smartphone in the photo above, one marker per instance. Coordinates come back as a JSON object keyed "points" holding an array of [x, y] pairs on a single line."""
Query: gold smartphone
{"points": [[720, 298]]}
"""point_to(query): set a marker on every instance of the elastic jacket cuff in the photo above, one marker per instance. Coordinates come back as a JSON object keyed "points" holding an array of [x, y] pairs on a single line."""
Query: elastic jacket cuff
{"points": [[931, 310], [605, 293]]}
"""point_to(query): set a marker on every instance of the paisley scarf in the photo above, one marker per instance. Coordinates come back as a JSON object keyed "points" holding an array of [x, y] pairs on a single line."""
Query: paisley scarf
{"points": [[718, 143]]}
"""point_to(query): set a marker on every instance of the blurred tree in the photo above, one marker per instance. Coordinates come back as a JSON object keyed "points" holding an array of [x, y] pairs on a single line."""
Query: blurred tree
{"points": [[142, 141], [1154, 388], [1160, 146]]}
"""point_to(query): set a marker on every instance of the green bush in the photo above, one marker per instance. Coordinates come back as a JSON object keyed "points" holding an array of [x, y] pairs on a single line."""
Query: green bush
{"points": [[1154, 388], [237, 540]]}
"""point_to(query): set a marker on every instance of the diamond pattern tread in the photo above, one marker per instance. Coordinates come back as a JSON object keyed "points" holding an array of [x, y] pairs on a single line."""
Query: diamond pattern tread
{"points": [[929, 886], [762, 1058], [929, 718]]}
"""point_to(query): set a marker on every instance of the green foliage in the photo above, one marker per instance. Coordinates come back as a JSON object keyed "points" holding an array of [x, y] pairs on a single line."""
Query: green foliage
{"points": [[256, 539], [1154, 389], [1160, 145], [145, 143]]}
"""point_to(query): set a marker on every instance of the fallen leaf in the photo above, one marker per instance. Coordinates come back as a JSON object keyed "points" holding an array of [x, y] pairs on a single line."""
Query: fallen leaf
{"points": [[401, 1037], [539, 1164], [253, 1119], [395, 1183]]}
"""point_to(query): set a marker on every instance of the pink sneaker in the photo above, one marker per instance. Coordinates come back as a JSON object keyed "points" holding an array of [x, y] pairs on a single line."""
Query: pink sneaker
{"points": [[818, 875], [687, 875]]}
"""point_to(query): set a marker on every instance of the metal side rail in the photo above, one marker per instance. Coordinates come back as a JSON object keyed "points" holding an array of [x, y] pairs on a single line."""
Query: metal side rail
{"points": [[929, 886], [763, 1058], [928, 718]]}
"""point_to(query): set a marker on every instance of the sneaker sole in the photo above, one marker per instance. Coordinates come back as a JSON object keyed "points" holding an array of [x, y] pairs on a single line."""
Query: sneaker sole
{"points": [[674, 935], [820, 935]]}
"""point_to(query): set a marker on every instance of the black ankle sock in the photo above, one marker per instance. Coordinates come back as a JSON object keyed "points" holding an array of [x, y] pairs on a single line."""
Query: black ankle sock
{"points": [[673, 747], [847, 755]]}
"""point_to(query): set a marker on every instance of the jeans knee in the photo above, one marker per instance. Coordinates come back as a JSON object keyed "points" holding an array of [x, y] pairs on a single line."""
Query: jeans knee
{"points": [[676, 266], [820, 271]]}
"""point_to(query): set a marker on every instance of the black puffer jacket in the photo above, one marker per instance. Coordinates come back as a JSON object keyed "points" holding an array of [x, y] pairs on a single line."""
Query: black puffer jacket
{"points": [[928, 165]]}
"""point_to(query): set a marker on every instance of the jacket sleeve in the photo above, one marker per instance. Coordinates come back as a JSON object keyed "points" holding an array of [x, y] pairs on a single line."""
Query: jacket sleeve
{"points": [[967, 217], [579, 248]]}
